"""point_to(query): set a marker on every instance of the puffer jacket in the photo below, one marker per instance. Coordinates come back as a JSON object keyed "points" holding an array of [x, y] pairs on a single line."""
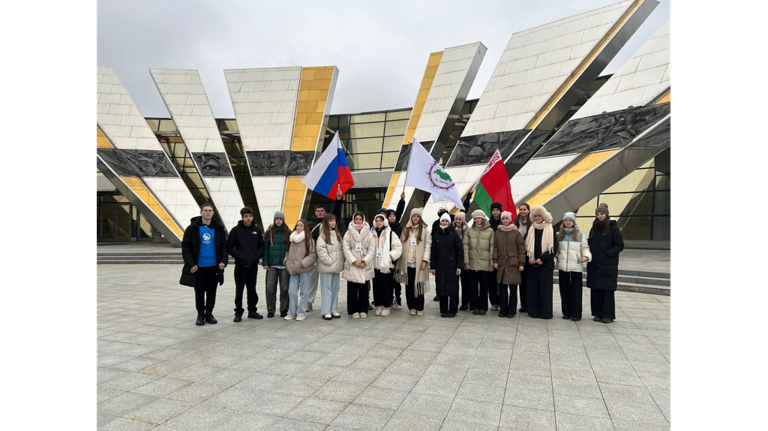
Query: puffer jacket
{"points": [[366, 254], [274, 254], [478, 245], [330, 256], [570, 251], [603, 270], [297, 261]]}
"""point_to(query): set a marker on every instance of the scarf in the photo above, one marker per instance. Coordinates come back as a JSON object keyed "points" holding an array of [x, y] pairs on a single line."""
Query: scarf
{"points": [[547, 242], [523, 226], [507, 228], [383, 242], [297, 237], [358, 227]]}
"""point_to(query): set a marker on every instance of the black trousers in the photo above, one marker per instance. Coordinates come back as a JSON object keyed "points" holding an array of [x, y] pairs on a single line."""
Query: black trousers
{"points": [[464, 280], [478, 290], [603, 303], [357, 298], [449, 304], [414, 302], [493, 288], [205, 288], [398, 290], [508, 299], [382, 288], [246, 277], [571, 285], [540, 291]]}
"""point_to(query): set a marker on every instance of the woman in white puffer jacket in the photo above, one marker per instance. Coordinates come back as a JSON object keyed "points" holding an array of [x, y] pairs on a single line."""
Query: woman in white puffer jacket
{"points": [[573, 252], [359, 247]]}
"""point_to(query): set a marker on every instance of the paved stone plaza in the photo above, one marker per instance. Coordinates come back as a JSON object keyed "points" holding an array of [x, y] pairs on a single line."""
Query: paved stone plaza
{"points": [[156, 369]]}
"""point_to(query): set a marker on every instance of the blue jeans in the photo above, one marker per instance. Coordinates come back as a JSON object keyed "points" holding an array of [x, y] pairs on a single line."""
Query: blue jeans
{"points": [[298, 282], [330, 298]]}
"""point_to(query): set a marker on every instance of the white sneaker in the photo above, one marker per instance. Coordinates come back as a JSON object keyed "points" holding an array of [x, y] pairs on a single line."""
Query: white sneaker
{"points": [[335, 315], [385, 312], [289, 317], [327, 317], [300, 318], [356, 316], [363, 315], [378, 311], [399, 307]]}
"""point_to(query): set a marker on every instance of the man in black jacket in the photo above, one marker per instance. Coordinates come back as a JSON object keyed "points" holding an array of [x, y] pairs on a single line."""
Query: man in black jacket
{"points": [[246, 245], [314, 227], [204, 249]]}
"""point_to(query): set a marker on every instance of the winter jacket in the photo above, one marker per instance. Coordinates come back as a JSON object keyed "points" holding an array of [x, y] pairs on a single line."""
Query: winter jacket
{"points": [[509, 254], [298, 261], [447, 256], [330, 256], [478, 247], [494, 223], [366, 254], [190, 243], [274, 254], [246, 244], [571, 251], [603, 270]]}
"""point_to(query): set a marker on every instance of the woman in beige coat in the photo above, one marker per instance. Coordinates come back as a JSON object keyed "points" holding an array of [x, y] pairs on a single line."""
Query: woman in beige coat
{"points": [[509, 261], [299, 261], [359, 247], [411, 268]]}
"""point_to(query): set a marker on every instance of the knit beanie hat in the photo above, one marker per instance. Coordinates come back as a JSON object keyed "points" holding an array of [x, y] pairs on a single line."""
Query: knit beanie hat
{"points": [[461, 215], [479, 213], [279, 214], [496, 205], [445, 216], [417, 211], [602, 208], [389, 212], [506, 214]]}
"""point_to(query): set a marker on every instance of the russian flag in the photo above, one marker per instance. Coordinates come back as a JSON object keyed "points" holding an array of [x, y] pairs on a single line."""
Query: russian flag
{"points": [[330, 171]]}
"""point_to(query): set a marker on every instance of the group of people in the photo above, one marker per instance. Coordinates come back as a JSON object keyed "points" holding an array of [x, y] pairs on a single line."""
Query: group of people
{"points": [[484, 259]]}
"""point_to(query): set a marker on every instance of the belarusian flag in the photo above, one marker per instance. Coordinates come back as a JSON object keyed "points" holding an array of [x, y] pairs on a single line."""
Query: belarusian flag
{"points": [[494, 187]]}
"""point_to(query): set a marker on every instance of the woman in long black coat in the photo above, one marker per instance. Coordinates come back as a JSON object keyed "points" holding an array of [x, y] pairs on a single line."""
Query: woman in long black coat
{"points": [[605, 243], [446, 262], [541, 248]]}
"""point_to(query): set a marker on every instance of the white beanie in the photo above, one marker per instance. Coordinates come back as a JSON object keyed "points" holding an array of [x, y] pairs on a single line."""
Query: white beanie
{"points": [[445, 216]]}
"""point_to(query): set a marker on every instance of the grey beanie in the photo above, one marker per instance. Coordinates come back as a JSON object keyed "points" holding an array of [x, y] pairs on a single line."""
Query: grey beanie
{"points": [[602, 208], [570, 215], [279, 214]]}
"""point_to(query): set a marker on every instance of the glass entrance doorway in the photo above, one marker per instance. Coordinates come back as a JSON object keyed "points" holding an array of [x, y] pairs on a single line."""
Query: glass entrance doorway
{"points": [[119, 221]]}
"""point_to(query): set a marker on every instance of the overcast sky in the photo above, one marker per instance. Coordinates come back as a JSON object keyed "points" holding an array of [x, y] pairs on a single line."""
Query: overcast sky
{"points": [[380, 48]]}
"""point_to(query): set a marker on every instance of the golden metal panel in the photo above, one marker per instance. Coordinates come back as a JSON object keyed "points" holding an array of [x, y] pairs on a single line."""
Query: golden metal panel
{"points": [[138, 187], [665, 98], [294, 198], [101, 140], [570, 176], [421, 97], [391, 188], [313, 96]]}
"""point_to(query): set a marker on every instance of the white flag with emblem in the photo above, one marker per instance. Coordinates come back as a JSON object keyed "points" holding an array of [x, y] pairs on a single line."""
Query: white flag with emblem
{"points": [[424, 173]]}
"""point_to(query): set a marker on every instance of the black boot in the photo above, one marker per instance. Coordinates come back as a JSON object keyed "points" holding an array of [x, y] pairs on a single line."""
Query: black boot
{"points": [[200, 319], [238, 317], [254, 315], [210, 319]]}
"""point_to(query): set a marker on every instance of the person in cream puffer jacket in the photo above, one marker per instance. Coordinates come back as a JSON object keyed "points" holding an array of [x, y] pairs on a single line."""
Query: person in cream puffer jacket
{"points": [[359, 247], [573, 252], [299, 261], [330, 263]]}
